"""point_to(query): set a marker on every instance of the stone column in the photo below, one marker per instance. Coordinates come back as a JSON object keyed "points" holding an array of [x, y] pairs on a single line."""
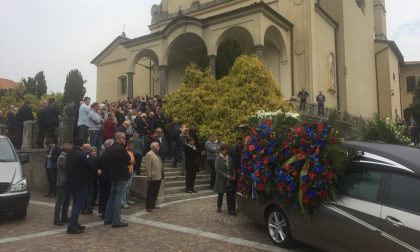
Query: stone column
{"points": [[130, 76], [212, 64], [259, 51], [30, 135], [163, 79], [65, 130]]}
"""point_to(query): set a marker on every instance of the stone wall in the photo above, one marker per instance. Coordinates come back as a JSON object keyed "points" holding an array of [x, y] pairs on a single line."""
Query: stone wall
{"points": [[35, 169]]}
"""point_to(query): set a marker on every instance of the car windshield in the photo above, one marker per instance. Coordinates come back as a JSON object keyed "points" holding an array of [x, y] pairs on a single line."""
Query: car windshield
{"points": [[6, 152]]}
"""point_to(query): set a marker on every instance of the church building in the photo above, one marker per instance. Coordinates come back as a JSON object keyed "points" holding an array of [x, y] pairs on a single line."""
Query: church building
{"points": [[339, 47]]}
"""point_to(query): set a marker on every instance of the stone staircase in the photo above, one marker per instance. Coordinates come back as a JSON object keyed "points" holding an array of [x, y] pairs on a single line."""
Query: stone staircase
{"points": [[173, 185]]}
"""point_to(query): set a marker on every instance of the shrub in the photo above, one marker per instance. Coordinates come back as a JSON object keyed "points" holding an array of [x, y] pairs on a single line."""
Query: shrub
{"points": [[220, 106], [379, 129]]}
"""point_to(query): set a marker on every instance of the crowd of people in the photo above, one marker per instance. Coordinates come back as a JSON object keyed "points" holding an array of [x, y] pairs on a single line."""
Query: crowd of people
{"points": [[111, 141]]}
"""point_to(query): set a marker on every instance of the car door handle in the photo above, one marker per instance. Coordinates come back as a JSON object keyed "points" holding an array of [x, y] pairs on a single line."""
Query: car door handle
{"points": [[394, 221]]}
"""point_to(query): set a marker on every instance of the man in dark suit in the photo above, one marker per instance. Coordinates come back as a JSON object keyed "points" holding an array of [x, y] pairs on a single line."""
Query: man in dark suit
{"points": [[115, 159], [41, 119], [52, 120], [78, 167], [191, 164], [235, 154], [24, 114], [51, 167]]}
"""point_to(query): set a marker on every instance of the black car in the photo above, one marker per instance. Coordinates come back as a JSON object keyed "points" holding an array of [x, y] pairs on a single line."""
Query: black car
{"points": [[377, 209], [14, 190]]}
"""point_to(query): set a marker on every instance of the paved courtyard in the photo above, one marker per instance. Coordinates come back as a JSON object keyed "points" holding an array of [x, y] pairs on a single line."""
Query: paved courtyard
{"points": [[189, 225]]}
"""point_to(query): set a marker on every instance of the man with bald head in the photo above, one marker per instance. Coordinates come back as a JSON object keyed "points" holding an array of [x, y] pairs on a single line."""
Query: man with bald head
{"points": [[154, 168], [115, 159]]}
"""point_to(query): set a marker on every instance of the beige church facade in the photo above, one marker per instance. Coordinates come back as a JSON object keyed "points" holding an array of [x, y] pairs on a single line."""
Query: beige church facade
{"points": [[338, 47]]}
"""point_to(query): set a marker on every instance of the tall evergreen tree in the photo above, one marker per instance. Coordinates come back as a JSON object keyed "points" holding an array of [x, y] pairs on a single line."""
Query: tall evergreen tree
{"points": [[415, 106], [30, 85], [74, 89], [227, 53], [41, 84]]}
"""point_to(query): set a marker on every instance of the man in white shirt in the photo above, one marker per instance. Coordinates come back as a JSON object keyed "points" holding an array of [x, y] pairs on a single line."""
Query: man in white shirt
{"points": [[83, 121]]}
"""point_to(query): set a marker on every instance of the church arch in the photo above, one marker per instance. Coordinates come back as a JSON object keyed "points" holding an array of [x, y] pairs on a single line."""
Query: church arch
{"points": [[240, 34], [185, 49], [276, 58], [145, 66]]}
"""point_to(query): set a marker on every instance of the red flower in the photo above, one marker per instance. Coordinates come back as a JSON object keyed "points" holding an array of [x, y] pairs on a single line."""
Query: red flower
{"points": [[330, 175], [269, 122], [257, 173], [304, 188], [312, 175], [293, 173], [320, 127], [311, 163], [287, 188], [333, 140], [286, 145], [260, 187], [254, 132], [306, 200], [323, 193], [286, 168], [264, 178], [266, 160], [298, 130], [251, 147], [300, 155], [302, 141]]}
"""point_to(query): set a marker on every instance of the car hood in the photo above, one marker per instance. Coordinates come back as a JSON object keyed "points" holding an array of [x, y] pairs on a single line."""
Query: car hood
{"points": [[8, 171]]}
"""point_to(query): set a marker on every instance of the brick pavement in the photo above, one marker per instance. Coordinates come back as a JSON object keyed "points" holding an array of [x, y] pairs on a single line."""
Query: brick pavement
{"points": [[179, 226]]}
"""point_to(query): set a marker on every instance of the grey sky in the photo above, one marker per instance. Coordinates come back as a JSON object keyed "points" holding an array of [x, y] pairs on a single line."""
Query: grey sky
{"points": [[56, 36]]}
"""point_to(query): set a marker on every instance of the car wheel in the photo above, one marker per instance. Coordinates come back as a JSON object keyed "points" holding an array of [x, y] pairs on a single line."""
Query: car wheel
{"points": [[20, 213], [278, 228]]}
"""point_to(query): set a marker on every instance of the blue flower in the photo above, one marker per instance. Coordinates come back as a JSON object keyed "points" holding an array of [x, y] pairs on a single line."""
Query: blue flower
{"points": [[311, 194], [305, 178], [318, 169]]}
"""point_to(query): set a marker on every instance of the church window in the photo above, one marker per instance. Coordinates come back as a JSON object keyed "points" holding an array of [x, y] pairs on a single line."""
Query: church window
{"points": [[411, 83], [362, 5], [122, 85]]}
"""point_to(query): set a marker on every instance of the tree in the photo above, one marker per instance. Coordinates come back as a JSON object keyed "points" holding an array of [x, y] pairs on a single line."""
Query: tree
{"points": [[415, 105], [37, 85], [220, 106], [227, 53], [41, 84], [74, 89], [30, 85]]}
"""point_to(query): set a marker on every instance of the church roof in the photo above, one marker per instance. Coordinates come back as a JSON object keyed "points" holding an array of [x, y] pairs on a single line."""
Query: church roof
{"points": [[7, 84], [394, 48], [412, 63], [254, 7], [118, 40]]}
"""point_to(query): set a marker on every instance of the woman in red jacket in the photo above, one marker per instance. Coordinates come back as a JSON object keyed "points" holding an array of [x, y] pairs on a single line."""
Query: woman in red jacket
{"points": [[109, 127]]}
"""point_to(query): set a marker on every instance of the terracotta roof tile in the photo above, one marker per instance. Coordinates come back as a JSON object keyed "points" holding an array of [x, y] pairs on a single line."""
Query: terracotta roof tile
{"points": [[6, 84]]}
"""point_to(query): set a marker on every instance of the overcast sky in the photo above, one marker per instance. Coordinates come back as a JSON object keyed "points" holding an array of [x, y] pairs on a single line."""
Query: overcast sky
{"points": [[56, 36]]}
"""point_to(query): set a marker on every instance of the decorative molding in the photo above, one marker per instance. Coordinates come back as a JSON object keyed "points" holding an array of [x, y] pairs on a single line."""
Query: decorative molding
{"points": [[112, 62]]}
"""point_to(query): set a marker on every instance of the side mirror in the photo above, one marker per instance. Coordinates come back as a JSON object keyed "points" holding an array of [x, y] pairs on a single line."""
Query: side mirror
{"points": [[23, 158]]}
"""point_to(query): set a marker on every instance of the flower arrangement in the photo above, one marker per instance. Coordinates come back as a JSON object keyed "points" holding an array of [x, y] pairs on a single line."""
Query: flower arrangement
{"points": [[298, 167]]}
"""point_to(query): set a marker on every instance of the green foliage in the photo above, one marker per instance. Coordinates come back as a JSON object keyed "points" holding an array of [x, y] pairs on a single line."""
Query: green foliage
{"points": [[19, 95], [220, 106], [379, 129], [227, 53], [415, 105], [74, 89], [41, 84], [37, 85]]}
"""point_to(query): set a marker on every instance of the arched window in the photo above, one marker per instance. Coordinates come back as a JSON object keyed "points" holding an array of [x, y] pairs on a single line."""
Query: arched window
{"points": [[362, 5]]}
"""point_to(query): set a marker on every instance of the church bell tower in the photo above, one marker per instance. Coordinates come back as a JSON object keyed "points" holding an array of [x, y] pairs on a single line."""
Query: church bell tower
{"points": [[380, 19]]}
